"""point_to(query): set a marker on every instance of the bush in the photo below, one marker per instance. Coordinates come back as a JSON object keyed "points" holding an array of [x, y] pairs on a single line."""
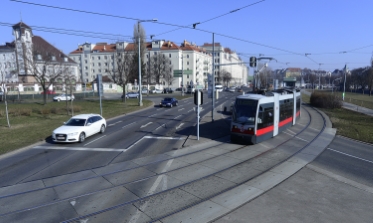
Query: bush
{"points": [[325, 100], [54, 110], [45, 111]]}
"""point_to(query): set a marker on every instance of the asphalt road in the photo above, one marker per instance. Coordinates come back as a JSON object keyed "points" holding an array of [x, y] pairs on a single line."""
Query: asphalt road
{"points": [[144, 133]]}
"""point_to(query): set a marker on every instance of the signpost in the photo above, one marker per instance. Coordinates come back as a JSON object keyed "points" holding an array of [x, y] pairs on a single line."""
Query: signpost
{"points": [[198, 100]]}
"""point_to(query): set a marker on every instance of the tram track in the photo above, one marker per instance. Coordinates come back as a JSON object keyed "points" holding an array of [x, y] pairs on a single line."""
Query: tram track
{"points": [[157, 175]]}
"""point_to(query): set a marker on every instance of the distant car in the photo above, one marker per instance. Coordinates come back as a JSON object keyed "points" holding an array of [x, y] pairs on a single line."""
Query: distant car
{"points": [[48, 92], [232, 89], [79, 127], [132, 95], [167, 90], [64, 97], [179, 89], [168, 102], [156, 91], [144, 91]]}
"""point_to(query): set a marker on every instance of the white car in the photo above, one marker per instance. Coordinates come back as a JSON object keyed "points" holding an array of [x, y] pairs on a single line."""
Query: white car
{"points": [[157, 91], [79, 127], [64, 97]]}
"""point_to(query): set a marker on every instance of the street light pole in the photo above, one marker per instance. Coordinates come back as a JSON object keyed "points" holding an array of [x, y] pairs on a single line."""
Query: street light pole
{"points": [[139, 43]]}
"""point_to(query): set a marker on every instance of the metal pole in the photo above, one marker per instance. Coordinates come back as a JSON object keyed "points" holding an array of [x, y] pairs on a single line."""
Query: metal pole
{"points": [[198, 92], [213, 77], [182, 73], [344, 85], [138, 33]]}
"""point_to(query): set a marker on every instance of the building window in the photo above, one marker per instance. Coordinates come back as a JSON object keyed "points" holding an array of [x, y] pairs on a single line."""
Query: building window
{"points": [[99, 58], [106, 64], [155, 53], [93, 70], [188, 63], [99, 64], [93, 57], [86, 61], [187, 55], [105, 57], [169, 55], [93, 64]]}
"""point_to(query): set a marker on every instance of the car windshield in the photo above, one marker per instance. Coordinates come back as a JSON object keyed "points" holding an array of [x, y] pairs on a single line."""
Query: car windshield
{"points": [[245, 111], [167, 99], [75, 122]]}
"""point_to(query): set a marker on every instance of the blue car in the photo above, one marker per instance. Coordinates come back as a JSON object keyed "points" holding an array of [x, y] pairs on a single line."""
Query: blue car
{"points": [[168, 102]]}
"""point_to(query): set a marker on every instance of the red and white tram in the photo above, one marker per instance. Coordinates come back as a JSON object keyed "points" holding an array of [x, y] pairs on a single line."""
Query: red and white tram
{"points": [[258, 117]]}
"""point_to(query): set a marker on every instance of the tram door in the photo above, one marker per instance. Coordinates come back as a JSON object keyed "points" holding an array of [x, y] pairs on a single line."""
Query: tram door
{"points": [[276, 112]]}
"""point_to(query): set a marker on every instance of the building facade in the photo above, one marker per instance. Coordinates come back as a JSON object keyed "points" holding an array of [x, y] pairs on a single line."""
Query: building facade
{"points": [[28, 56], [230, 62]]}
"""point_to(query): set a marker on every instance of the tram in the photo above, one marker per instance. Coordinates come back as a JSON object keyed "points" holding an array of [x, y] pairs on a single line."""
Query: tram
{"points": [[258, 117]]}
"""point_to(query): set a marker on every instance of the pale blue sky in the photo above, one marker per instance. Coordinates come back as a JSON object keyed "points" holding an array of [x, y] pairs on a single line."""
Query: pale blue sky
{"points": [[283, 29]]}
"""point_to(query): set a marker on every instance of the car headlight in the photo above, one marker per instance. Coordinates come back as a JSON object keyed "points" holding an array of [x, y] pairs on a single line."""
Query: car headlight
{"points": [[73, 134]]}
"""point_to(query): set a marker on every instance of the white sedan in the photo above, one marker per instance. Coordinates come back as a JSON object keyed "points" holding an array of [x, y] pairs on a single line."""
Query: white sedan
{"points": [[156, 91], [79, 127], [64, 97]]}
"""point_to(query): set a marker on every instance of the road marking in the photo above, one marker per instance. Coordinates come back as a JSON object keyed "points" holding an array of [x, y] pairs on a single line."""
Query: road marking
{"points": [[80, 149], [163, 125], [190, 110], [315, 129], [128, 124], [181, 109], [301, 139], [156, 137], [146, 124], [350, 155], [153, 115], [159, 179], [114, 123], [177, 116], [179, 126], [292, 132], [94, 140], [289, 134]]}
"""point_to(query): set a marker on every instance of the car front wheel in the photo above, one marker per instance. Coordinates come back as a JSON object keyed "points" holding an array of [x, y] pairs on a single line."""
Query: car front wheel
{"points": [[102, 130], [81, 137]]}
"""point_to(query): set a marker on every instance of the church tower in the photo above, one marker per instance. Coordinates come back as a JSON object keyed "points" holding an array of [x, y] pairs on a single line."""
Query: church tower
{"points": [[23, 43]]}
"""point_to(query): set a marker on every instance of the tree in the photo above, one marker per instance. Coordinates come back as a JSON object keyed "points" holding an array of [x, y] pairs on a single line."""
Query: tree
{"points": [[120, 74], [138, 31], [4, 90], [45, 66], [160, 68], [226, 76]]}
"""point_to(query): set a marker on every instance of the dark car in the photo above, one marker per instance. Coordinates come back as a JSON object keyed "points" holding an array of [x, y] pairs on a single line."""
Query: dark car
{"points": [[167, 90], [168, 102]]}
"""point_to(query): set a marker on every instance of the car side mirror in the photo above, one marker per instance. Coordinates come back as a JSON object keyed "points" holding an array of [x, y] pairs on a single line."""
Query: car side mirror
{"points": [[88, 124]]}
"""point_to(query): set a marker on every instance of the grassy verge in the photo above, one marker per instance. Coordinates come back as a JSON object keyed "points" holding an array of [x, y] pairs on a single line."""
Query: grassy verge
{"points": [[349, 123], [33, 122]]}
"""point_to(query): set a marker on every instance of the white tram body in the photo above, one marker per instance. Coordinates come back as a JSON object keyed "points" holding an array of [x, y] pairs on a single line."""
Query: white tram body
{"points": [[258, 117]]}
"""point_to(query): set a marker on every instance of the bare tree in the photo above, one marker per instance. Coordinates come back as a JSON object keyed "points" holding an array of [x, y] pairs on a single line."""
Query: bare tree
{"points": [[138, 31], [226, 76], [45, 66], [369, 77], [69, 80], [4, 91], [120, 73], [160, 68]]}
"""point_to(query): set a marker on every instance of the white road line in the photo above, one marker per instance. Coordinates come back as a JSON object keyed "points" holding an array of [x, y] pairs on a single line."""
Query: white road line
{"points": [[149, 123], [163, 125], [190, 110], [315, 129], [181, 109], [179, 126], [369, 161], [177, 116], [111, 124], [155, 137], [135, 143], [301, 139], [79, 149], [153, 115], [114, 123], [152, 190], [128, 124], [291, 132], [94, 140]]}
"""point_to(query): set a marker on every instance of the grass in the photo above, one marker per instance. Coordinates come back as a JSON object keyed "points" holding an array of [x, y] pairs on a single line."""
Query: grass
{"points": [[33, 122], [348, 123]]}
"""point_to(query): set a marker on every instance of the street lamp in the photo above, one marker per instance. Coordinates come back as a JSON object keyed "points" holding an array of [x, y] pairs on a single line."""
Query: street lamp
{"points": [[139, 43], [337, 79], [256, 72]]}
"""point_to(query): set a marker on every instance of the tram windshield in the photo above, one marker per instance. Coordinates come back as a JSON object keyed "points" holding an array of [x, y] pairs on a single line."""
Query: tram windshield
{"points": [[245, 111]]}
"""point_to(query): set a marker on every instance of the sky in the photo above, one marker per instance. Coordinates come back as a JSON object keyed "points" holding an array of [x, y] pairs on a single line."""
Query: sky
{"points": [[314, 34]]}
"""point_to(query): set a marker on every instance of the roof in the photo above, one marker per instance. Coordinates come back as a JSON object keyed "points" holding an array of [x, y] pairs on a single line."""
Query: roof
{"points": [[23, 26], [210, 44], [45, 49], [7, 47], [293, 69], [85, 116], [191, 47]]}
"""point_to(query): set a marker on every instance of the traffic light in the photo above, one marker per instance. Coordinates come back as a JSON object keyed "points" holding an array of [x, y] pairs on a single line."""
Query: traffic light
{"points": [[198, 97], [252, 61]]}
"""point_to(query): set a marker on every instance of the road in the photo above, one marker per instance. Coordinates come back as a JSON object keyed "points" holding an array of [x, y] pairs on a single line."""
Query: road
{"points": [[149, 132]]}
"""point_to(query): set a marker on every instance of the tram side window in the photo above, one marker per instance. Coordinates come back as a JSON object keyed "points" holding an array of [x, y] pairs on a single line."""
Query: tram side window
{"points": [[265, 116], [286, 109]]}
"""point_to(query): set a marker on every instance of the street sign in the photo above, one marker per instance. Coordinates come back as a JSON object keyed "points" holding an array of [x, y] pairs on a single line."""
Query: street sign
{"points": [[177, 73]]}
